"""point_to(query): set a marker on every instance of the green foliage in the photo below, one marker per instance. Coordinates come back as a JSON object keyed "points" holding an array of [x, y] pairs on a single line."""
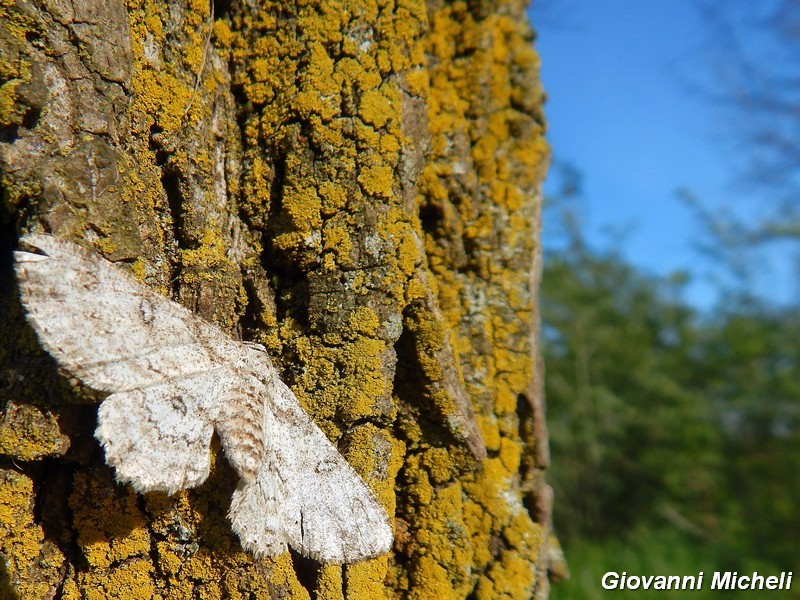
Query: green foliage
{"points": [[650, 552], [630, 441], [752, 380], [665, 420]]}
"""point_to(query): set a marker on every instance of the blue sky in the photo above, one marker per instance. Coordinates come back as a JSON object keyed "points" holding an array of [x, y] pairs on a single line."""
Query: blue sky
{"points": [[620, 110]]}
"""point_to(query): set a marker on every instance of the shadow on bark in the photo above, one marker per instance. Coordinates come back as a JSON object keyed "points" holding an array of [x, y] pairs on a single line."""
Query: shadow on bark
{"points": [[6, 591]]}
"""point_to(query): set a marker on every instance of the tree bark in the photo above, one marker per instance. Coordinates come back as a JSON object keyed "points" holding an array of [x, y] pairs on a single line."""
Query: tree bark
{"points": [[354, 185]]}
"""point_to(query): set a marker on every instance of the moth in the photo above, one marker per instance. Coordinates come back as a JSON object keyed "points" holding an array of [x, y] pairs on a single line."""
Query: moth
{"points": [[173, 379]]}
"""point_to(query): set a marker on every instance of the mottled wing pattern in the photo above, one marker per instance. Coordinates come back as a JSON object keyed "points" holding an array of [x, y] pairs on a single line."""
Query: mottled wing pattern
{"points": [[303, 492], [160, 360], [256, 512], [327, 510], [173, 379], [103, 326], [157, 437]]}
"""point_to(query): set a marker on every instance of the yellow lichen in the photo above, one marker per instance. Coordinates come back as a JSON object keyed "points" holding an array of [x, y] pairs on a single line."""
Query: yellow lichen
{"points": [[15, 64], [377, 180], [375, 108], [490, 206], [325, 139]]}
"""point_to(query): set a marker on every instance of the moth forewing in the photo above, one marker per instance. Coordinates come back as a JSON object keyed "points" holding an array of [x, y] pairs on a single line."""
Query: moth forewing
{"points": [[175, 378]]}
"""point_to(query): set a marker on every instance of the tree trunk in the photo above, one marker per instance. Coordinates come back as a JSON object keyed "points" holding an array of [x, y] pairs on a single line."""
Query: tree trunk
{"points": [[354, 185]]}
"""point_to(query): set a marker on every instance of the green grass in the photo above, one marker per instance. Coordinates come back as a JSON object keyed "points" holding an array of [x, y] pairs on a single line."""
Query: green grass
{"points": [[656, 553]]}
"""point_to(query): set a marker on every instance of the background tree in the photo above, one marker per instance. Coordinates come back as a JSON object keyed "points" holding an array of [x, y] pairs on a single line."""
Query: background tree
{"points": [[674, 432], [752, 53], [635, 443], [353, 185]]}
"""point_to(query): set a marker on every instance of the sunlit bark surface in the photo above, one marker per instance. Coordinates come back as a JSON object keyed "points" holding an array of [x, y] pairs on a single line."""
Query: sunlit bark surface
{"points": [[354, 185]]}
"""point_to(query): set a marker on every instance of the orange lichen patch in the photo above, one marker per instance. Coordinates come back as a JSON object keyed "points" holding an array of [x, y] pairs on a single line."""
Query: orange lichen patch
{"points": [[318, 88], [161, 96], [350, 70], [326, 97], [390, 146], [345, 380], [257, 192], [302, 205], [15, 63], [223, 36], [488, 489], [510, 454], [211, 254], [364, 321], [375, 455], [439, 465], [336, 239], [362, 365], [70, 589], [333, 198], [324, 21], [429, 579], [237, 577], [377, 180], [418, 490], [510, 577], [282, 578], [368, 137], [375, 108], [220, 569], [169, 560], [490, 431], [397, 229], [523, 535], [487, 158]]}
